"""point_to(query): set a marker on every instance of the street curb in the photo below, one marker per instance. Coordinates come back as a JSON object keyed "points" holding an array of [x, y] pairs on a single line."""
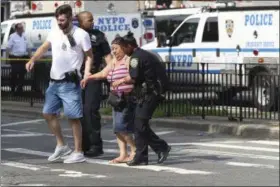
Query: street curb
{"points": [[239, 129]]}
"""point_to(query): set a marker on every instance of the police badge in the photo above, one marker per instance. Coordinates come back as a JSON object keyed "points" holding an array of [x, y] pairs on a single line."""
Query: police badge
{"points": [[134, 62], [229, 27], [93, 38], [135, 23], [64, 47]]}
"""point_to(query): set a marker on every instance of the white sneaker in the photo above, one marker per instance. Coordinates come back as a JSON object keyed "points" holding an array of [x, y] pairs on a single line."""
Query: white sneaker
{"points": [[59, 152], [75, 157]]}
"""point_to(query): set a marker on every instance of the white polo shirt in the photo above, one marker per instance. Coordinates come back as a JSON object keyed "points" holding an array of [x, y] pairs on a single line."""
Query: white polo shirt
{"points": [[64, 57], [18, 45]]}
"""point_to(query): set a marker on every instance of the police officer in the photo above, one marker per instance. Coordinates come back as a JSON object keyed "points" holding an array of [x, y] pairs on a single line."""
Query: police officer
{"points": [[92, 96], [18, 48], [143, 71]]}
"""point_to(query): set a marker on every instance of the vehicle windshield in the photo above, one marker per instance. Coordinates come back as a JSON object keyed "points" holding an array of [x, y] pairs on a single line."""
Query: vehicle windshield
{"points": [[187, 32], [166, 25], [3, 31]]}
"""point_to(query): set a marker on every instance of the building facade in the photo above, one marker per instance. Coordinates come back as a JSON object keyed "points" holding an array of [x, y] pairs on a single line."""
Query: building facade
{"points": [[5, 10]]}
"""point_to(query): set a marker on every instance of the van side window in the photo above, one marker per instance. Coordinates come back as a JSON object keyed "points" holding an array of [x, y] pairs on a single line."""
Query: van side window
{"points": [[211, 30], [187, 32]]}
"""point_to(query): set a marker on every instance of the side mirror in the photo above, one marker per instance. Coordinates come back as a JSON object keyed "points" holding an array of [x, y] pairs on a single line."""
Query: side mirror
{"points": [[161, 37], [169, 41]]}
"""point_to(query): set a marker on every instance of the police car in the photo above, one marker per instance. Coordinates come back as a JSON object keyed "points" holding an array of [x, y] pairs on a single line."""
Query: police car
{"points": [[224, 39]]}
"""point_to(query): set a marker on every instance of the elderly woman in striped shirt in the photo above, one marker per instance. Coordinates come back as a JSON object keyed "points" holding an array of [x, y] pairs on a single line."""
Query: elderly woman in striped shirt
{"points": [[122, 121]]}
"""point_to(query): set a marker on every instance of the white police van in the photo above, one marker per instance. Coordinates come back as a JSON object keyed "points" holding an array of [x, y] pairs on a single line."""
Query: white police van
{"points": [[226, 39], [38, 26]]}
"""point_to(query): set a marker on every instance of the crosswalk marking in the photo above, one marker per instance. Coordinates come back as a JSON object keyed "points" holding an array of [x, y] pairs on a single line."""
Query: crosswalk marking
{"points": [[66, 173], [265, 142], [105, 162], [224, 153], [22, 165], [22, 122], [228, 146], [20, 135], [242, 164]]}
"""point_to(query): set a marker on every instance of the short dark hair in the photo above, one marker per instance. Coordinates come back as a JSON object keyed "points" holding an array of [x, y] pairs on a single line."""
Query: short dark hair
{"points": [[130, 40], [17, 25], [64, 9]]}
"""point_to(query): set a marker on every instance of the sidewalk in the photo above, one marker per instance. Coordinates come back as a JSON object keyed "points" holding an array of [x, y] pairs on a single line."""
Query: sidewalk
{"points": [[262, 129]]}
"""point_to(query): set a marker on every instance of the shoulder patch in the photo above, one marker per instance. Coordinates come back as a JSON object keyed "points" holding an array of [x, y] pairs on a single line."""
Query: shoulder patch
{"points": [[134, 62]]}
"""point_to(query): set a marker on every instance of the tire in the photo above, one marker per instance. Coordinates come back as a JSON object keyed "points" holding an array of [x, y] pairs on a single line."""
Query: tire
{"points": [[264, 91], [226, 96]]}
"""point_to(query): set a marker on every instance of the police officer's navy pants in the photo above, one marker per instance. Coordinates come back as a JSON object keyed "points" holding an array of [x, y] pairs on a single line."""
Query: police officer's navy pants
{"points": [[17, 73], [144, 135], [91, 121]]}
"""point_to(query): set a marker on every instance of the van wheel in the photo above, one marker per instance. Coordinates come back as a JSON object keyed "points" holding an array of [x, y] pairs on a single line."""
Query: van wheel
{"points": [[226, 96], [264, 91]]}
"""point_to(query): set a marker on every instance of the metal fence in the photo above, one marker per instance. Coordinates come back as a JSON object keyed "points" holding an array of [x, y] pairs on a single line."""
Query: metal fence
{"points": [[234, 91]]}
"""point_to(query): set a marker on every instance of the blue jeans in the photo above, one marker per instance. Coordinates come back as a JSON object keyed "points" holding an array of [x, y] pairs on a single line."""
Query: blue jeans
{"points": [[66, 95]]}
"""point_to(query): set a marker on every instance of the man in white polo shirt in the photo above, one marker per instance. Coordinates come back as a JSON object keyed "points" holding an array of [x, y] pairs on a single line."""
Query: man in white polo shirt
{"points": [[68, 43], [18, 48]]}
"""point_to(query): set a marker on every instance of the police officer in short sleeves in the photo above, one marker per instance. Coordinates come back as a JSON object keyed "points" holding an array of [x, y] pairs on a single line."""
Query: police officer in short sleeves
{"points": [[91, 122], [143, 70]]}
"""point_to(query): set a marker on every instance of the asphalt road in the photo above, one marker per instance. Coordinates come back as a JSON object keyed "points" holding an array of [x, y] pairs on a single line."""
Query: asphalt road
{"points": [[196, 159]]}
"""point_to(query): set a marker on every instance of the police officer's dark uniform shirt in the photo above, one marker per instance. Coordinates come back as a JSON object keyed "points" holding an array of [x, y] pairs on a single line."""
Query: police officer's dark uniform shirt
{"points": [[100, 49], [142, 69]]}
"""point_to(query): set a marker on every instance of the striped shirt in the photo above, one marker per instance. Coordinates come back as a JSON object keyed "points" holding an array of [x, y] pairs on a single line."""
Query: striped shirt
{"points": [[118, 73]]}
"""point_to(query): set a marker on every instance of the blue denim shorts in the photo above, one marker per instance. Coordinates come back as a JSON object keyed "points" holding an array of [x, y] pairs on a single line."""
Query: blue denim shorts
{"points": [[66, 95], [123, 122]]}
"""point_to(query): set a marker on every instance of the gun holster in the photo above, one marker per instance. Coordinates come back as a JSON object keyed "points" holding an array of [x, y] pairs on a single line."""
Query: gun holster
{"points": [[72, 76]]}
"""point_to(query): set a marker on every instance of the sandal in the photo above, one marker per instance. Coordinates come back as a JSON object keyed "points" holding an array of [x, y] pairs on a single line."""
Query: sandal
{"points": [[117, 161]]}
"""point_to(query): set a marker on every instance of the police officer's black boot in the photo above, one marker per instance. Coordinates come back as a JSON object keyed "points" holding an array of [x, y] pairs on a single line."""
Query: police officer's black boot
{"points": [[138, 161], [162, 156], [140, 158]]}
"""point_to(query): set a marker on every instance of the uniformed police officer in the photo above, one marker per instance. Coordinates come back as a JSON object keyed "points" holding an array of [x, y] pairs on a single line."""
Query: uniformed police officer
{"points": [[18, 48], [92, 96], [143, 72]]}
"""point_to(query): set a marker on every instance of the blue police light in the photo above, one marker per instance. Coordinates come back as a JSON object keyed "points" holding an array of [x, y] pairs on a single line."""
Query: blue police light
{"points": [[148, 23]]}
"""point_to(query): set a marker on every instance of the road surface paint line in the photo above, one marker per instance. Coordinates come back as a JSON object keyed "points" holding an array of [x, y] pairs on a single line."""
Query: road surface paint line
{"points": [[265, 142], [224, 153], [20, 135], [18, 131], [164, 132], [242, 164], [76, 174], [228, 146], [160, 133], [21, 122], [106, 162], [66, 173], [152, 168], [23, 166], [31, 185], [27, 151]]}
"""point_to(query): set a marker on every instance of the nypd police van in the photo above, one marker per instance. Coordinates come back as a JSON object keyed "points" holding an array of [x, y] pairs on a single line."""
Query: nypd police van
{"points": [[38, 26], [221, 41]]}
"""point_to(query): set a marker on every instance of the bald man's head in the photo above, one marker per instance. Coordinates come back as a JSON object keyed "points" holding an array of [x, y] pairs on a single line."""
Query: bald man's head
{"points": [[85, 19]]}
